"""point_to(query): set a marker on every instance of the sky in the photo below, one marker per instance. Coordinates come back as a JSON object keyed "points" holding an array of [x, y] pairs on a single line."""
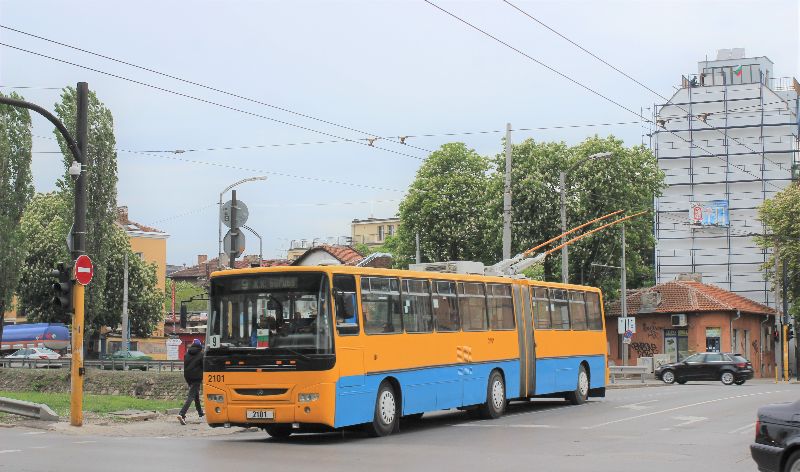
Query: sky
{"points": [[350, 70]]}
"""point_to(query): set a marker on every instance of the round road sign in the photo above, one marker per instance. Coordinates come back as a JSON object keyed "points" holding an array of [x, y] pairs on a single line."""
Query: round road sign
{"points": [[83, 270], [241, 213]]}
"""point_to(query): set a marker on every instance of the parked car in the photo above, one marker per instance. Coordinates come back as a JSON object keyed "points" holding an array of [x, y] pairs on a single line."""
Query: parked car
{"points": [[729, 368], [28, 355], [777, 438], [127, 360]]}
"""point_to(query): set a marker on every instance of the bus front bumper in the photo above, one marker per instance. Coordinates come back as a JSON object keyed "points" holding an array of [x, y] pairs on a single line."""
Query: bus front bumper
{"points": [[317, 406]]}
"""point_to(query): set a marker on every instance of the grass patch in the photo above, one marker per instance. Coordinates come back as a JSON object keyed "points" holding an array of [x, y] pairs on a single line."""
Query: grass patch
{"points": [[100, 404]]}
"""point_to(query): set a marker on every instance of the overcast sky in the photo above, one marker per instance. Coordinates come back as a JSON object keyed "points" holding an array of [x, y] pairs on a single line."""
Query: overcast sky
{"points": [[391, 68]]}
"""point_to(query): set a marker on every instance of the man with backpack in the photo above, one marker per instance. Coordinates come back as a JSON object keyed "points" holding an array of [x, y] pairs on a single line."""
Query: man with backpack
{"points": [[193, 373]]}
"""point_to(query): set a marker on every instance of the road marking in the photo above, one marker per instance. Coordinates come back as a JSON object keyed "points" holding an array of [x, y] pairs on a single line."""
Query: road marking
{"points": [[644, 415], [34, 432], [638, 406], [478, 425], [4, 451], [743, 429], [529, 426], [84, 442], [687, 420], [38, 447]]}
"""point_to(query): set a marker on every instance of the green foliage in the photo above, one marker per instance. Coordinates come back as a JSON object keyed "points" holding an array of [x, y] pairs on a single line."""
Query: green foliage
{"points": [[448, 205], [184, 291], [101, 204], [16, 190], [781, 215]]}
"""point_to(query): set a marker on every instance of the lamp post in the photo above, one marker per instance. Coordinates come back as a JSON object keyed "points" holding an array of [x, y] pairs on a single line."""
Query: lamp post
{"points": [[221, 194], [562, 177]]}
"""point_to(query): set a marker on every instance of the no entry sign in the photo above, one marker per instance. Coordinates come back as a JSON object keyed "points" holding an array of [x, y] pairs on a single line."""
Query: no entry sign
{"points": [[83, 270]]}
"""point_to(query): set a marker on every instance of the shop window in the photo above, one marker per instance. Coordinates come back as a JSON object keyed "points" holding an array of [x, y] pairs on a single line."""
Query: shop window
{"points": [[713, 339]]}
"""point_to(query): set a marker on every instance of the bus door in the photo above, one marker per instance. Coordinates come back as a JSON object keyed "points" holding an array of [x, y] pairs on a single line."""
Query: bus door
{"points": [[527, 343], [349, 345]]}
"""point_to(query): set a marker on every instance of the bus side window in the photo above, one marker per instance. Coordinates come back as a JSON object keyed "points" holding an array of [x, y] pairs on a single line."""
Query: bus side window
{"points": [[472, 306], [541, 308], [344, 292], [593, 312], [577, 310], [416, 299], [559, 309], [380, 303], [445, 306], [501, 306]]}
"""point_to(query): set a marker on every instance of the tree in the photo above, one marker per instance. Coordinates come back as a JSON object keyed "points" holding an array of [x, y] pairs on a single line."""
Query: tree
{"points": [[781, 215], [627, 180], [16, 190], [183, 291], [101, 204], [448, 205]]}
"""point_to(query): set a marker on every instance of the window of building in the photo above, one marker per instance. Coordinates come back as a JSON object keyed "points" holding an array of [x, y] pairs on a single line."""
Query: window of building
{"points": [[380, 233], [390, 230], [140, 255], [712, 339], [472, 306], [594, 314], [445, 305], [541, 308], [344, 289], [501, 306], [577, 310], [559, 309], [676, 344], [416, 296], [380, 303]]}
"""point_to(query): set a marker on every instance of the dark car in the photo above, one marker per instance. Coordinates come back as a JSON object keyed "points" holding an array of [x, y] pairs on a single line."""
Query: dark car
{"points": [[777, 446], [726, 367]]}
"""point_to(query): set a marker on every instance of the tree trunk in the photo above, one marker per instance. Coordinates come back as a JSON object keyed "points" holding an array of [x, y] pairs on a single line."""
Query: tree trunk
{"points": [[2, 317]]}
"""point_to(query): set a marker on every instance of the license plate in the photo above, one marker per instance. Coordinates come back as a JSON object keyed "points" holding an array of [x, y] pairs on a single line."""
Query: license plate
{"points": [[260, 414]]}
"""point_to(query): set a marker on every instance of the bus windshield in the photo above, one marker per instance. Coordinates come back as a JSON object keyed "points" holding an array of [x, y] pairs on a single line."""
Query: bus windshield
{"points": [[272, 311]]}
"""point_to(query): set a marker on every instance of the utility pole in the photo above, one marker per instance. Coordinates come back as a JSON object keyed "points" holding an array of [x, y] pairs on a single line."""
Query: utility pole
{"points": [[623, 300], [562, 177], [785, 330], [79, 248], [778, 320], [419, 255], [507, 198], [234, 231], [126, 332]]}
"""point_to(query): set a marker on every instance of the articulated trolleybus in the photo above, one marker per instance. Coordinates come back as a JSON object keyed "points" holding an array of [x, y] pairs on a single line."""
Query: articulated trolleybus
{"points": [[293, 349]]}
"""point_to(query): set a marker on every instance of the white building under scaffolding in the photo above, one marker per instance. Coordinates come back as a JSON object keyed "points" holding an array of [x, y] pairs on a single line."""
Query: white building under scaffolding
{"points": [[727, 140]]}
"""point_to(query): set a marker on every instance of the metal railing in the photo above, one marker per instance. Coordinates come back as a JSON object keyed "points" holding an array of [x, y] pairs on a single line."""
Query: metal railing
{"points": [[101, 364], [624, 370]]}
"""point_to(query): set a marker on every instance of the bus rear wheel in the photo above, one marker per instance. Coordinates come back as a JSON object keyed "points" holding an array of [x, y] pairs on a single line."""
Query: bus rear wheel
{"points": [[581, 392], [387, 414], [279, 430], [495, 404]]}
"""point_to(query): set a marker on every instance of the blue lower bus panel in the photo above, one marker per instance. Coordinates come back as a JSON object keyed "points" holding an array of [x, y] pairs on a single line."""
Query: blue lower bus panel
{"points": [[560, 374]]}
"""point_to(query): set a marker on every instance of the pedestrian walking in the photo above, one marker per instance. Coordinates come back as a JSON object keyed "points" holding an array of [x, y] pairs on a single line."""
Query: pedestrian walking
{"points": [[193, 373]]}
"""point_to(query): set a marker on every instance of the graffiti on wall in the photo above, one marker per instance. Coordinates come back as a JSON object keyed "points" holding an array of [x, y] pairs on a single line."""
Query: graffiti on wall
{"points": [[645, 349], [651, 330]]}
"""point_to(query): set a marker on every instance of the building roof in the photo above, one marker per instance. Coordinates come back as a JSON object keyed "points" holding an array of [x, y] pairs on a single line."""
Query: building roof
{"points": [[202, 270], [346, 255], [377, 220], [133, 228], [684, 296]]}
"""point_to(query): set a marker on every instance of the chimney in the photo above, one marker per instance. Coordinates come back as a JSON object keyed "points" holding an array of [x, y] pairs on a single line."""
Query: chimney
{"points": [[202, 259], [690, 277], [122, 214]]}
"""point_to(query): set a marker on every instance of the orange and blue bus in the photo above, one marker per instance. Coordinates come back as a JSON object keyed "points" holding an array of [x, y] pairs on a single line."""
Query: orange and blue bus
{"points": [[293, 349]]}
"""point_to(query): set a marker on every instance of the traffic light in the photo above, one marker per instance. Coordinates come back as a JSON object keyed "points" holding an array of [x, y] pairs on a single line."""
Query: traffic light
{"points": [[776, 337], [184, 317], [62, 288], [790, 334]]}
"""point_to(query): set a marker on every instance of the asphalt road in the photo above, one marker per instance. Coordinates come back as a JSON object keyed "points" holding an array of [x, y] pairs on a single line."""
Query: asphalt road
{"points": [[702, 426]]}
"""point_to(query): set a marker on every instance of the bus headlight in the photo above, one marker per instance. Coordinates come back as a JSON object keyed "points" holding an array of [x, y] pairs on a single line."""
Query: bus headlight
{"points": [[307, 397], [213, 397]]}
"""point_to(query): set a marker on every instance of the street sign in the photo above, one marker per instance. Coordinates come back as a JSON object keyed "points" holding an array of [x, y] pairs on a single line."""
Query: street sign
{"points": [[172, 349], [83, 269], [240, 243], [241, 213], [626, 323]]}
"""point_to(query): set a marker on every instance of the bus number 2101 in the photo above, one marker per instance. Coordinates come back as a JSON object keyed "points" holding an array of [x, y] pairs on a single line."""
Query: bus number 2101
{"points": [[216, 378]]}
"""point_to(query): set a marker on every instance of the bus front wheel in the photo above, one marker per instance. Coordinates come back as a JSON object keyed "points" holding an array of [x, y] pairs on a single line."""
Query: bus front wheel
{"points": [[495, 404], [387, 414]]}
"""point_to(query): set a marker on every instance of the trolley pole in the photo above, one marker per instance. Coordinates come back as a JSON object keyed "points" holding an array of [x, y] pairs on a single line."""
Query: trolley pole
{"points": [[507, 198], [79, 248]]}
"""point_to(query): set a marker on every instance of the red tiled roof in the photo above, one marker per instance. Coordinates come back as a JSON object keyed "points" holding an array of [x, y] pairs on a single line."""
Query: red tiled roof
{"points": [[347, 255], [682, 296], [202, 270], [128, 225]]}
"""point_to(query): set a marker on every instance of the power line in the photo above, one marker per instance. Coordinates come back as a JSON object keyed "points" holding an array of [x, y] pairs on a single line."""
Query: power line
{"points": [[205, 86], [631, 78], [29, 87], [210, 102], [586, 87]]}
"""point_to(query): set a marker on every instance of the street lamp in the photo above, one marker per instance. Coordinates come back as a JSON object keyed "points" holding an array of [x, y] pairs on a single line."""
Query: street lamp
{"points": [[229, 187], [562, 177]]}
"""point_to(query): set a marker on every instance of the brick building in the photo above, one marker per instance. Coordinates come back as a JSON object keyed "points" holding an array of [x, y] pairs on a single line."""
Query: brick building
{"points": [[681, 317]]}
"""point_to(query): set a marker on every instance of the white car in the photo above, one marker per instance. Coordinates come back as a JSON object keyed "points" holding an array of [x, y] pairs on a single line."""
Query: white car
{"points": [[24, 355]]}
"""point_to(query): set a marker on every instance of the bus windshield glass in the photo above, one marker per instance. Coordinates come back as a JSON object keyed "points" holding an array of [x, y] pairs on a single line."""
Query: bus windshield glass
{"points": [[272, 311]]}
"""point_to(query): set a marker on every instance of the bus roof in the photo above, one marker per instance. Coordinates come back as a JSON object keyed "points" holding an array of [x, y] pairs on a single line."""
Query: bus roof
{"points": [[342, 269]]}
